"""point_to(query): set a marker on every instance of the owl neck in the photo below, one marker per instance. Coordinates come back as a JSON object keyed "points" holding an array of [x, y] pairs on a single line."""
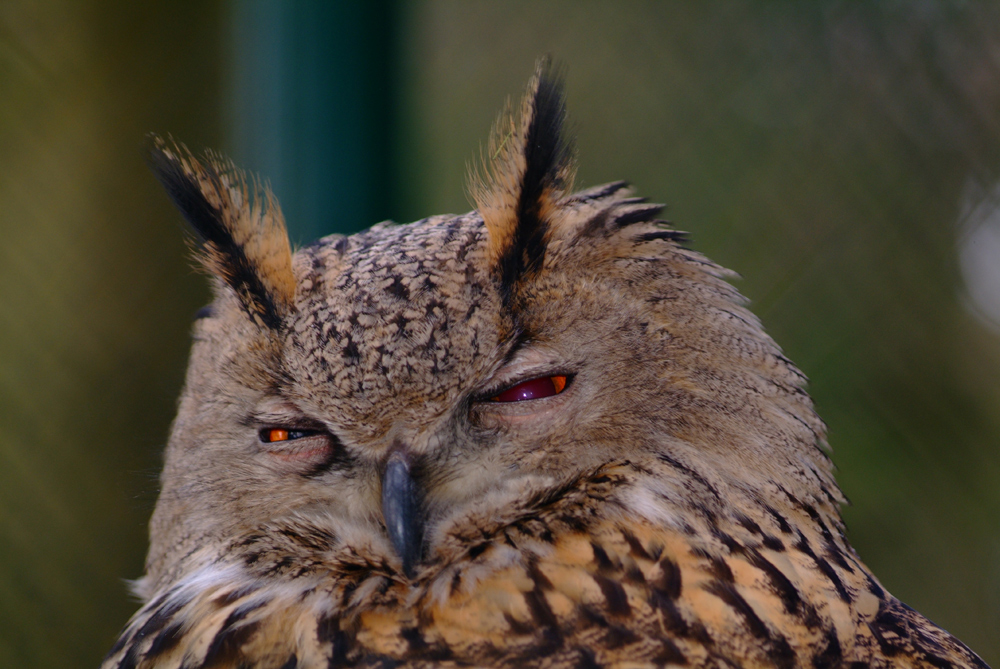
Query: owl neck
{"points": [[282, 592]]}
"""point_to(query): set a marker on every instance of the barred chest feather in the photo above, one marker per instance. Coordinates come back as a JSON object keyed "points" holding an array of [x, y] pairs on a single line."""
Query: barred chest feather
{"points": [[584, 580]]}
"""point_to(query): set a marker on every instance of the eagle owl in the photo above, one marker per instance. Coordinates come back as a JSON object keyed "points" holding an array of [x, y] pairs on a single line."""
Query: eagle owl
{"points": [[540, 434]]}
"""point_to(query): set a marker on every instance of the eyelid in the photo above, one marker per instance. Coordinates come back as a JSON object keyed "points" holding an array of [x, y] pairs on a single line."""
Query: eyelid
{"points": [[275, 415]]}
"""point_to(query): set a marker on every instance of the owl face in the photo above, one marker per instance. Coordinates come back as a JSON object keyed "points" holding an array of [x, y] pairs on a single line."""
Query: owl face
{"points": [[387, 387], [398, 346]]}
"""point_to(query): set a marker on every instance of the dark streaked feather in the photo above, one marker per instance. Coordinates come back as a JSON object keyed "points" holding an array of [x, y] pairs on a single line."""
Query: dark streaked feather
{"points": [[242, 240]]}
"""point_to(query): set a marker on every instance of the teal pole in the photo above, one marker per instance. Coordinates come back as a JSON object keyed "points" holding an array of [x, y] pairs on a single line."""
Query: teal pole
{"points": [[311, 108]]}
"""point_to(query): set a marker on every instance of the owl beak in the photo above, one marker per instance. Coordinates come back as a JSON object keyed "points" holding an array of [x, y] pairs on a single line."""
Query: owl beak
{"points": [[401, 510]]}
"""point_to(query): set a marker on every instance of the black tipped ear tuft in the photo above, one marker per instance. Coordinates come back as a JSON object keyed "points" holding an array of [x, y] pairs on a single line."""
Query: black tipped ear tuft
{"points": [[242, 234], [529, 171], [174, 169], [546, 154]]}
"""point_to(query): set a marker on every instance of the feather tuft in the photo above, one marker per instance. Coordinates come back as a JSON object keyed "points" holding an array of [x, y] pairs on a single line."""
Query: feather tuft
{"points": [[526, 173], [240, 228]]}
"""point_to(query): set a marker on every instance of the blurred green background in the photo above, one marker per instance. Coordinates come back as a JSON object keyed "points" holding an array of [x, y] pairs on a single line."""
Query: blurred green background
{"points": [[842, 156]]}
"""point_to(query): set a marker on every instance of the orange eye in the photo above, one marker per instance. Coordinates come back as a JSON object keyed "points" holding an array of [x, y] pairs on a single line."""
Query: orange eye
{"points": [[271, 435], [533, 389], [275, 434]]}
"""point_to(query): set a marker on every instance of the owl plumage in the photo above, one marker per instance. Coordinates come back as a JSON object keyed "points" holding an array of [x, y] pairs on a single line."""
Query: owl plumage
{"points": [[346, 485]]}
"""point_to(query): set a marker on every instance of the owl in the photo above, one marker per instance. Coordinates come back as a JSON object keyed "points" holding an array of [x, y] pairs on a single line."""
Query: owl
{"points": [[544, 433]]}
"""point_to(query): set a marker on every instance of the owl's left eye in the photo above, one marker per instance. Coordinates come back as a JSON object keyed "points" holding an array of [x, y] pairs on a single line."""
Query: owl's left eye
{"points": [[533, 389]]}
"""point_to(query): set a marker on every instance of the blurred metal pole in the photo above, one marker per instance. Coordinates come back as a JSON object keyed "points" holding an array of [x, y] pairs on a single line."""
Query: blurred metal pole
{"points": [[312, 101]]}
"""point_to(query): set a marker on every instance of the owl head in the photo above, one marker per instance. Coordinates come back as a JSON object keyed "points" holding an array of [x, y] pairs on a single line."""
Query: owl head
{"points": [[401, 395]]}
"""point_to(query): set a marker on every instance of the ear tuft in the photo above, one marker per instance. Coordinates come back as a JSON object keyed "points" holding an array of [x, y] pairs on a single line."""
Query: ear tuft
{"points": [[527, 173], [241, 231]]}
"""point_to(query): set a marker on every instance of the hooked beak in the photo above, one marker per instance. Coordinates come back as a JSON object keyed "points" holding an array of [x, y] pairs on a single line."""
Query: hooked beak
{"points": [[401, 510]]}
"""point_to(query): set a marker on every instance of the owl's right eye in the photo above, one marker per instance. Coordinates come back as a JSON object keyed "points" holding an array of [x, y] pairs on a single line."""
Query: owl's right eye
{"points": [[305, 451], [273, 435]]}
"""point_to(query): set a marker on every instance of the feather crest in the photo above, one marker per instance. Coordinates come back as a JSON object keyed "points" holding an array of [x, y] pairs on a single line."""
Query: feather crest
{"points": [[526, 174], [242, 235]]}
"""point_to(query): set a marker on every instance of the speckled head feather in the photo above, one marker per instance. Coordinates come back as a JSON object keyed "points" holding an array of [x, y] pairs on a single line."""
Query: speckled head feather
{"points": [[528, 170], [243, 241]]}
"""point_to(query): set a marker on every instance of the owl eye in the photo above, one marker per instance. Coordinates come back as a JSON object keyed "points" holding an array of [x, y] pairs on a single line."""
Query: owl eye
{"points": [[272, 435], [533, 389], [305, 451]]}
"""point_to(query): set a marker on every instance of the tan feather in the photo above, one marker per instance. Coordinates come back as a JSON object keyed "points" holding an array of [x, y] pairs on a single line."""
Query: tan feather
{"points": [[243, 237], [527, 165]]}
